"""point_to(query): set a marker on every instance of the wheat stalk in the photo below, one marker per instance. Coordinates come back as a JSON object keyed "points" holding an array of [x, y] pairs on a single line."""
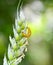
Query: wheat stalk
{"points": [[18, 44]]}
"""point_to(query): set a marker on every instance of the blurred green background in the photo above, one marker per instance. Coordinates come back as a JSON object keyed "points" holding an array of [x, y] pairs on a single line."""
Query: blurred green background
{"points": [[39, 15]]}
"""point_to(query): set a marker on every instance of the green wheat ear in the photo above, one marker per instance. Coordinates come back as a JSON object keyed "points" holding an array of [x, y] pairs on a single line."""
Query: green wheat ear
{"points": [[18, 44]]}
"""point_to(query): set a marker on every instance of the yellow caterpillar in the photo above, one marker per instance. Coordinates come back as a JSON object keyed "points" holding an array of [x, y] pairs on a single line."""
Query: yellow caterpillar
{"points": [[28, 34]]}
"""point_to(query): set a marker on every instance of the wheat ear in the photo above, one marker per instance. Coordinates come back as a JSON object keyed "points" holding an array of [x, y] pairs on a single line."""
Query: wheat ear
{"points": [[18, 43]]}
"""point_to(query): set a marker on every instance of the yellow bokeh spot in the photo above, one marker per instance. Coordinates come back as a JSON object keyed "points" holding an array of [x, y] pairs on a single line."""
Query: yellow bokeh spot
{"points": [[35, 27]]}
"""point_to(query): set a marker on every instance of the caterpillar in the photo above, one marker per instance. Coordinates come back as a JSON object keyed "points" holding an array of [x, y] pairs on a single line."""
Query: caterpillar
{"points": [[28, 34]]}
